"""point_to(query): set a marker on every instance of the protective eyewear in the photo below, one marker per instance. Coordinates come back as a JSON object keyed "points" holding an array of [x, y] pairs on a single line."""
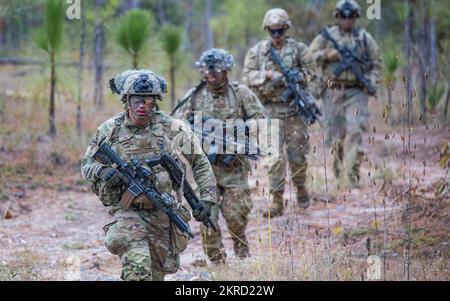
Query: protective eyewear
{"points": [[347, 15], [212, 71], [276, 32], [136, 100]]}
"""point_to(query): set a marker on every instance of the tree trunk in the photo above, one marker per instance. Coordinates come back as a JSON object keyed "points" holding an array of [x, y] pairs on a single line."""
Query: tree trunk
{"points": [[433, 49], [135, 61], [408, 52], [172, 82], [446, 102], [99, 45], [406, 122], [135, 3], [423, 89], [80, 73], [2, 32], [188, 27], [208, 34], [315, 7], [161, 12], [129, 4], [51, 113], [423, 57], [189, 46]]}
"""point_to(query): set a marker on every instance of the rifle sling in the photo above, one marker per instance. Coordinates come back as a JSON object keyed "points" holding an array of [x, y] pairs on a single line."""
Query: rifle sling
{"points": [[128, 199]]}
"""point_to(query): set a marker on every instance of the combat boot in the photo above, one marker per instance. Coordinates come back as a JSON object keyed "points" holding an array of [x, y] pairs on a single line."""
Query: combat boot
{"points": [[302, 197], [158, 275], [337, 168], [241, 247], [276, 206], [353, 176], [338, 158], [219, 258]]}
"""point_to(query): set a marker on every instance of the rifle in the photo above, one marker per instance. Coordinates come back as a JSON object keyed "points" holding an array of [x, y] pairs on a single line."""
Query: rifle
{"points": [[182, 101], [138, 184], [214, 151], [176, 172], [348, 62], [305, 101]]}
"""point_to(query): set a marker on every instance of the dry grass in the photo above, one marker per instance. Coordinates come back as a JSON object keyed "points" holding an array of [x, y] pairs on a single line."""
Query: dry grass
{"points": [[346, 266], [30, 159], [27, 265]]}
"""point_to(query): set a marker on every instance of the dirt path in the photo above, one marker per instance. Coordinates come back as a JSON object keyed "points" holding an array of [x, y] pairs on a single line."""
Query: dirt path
{"points": [[53, 233]]}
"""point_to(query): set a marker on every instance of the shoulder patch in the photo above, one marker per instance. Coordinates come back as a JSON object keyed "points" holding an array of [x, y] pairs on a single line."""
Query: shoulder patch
{"points": [[119, 119]]}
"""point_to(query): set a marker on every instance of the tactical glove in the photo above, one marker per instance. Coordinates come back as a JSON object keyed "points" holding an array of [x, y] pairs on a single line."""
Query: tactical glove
{"points": [[333, 55], [112, 177], [203, 211]]}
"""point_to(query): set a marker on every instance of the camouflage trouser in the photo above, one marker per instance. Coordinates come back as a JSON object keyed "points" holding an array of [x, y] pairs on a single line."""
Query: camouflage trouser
{"points": [[235, 204], [293, 133], [146, 242], [346, 117]]}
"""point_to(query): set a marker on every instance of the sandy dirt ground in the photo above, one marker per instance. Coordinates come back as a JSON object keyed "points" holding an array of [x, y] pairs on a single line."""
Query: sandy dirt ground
{"points": [[57, 235]]}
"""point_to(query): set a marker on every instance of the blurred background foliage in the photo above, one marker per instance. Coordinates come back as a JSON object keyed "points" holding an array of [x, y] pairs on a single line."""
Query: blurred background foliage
{"points": [[168, 36]]}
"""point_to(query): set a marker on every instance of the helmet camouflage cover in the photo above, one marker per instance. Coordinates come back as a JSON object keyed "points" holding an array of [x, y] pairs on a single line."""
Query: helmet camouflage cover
{"points": [[276, 16], [138, 82], [215, 59], [347, 8]]}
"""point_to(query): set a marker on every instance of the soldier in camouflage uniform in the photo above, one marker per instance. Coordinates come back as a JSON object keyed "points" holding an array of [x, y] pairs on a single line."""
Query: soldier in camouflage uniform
{"points": [[345, 101], [263, 76], [220, 99], [147, 243]]}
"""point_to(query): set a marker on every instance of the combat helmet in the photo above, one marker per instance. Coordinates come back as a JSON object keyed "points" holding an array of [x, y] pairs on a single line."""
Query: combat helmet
{"points": [[138, 82], [347, 8], [276, 16], [215, 59]]}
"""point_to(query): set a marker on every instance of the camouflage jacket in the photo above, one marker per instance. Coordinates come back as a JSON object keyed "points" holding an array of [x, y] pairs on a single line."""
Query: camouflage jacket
{"points": [[239, 102], [129, 140], [363, 44], [258, 62]]}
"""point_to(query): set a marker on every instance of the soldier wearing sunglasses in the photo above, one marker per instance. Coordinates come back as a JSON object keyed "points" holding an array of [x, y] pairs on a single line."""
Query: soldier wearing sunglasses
{"points": [[345, 99], [219, 98], [145, 239], [263, 75]]}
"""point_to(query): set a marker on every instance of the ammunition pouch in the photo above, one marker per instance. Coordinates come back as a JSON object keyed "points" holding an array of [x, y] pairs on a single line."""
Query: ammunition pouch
{"points": [[108, 195], [178, 239]]}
